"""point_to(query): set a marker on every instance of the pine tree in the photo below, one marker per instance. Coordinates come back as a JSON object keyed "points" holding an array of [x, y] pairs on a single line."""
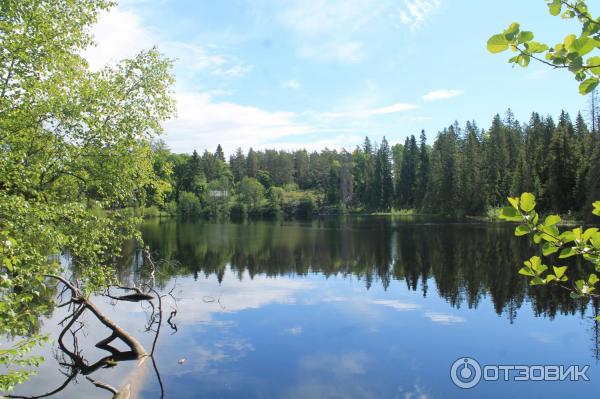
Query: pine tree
{"points": [[473, 188], [561, 166], [238, 165], [219, 154], [408, 174], [387, 185], [422, 179], [584, 147], [251, 163]]}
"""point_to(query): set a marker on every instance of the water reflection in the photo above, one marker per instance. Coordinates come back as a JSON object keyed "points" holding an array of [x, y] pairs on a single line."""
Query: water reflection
{"points": [[466, 262], [340, 308]]}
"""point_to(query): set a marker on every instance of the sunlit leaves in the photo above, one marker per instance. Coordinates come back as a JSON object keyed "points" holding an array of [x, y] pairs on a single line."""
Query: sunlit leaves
{"points": [[568, 54], [497, 44], [527, 202], [86, 141], [588, 85], [596, 210], [567, 244], [555, 7]]}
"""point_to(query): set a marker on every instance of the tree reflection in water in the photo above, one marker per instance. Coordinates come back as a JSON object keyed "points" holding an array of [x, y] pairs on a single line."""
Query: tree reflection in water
{"points": [[70, 358]]}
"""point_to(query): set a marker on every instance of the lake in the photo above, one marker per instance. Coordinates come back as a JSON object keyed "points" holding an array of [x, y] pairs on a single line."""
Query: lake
{"points": [[353, 307]]}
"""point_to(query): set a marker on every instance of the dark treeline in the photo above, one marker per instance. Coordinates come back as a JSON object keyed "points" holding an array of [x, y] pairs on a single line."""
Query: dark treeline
{"points": [[465, 171]]}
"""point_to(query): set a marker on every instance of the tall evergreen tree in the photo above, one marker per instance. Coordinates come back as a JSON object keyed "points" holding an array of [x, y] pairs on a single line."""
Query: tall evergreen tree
{"points": [[219, 154], [238, 165], [408, 174], [251, 163], [561, 166], [423, 169], [387, 185]]}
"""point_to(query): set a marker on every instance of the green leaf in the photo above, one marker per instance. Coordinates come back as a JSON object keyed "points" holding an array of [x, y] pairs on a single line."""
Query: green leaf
{"points": [[549, 278], [511, 31], [583, 46], [551, 220], [515, 202], [559, 271], [587, 235], [588, 85], [595, 62], [555, 7], [527, 202], [535, 262], [536, 281], [511, 214], [593, 279], [596, 206], [567, 236], [523, 60], [525, 271], [497, 44], [569, 40], [595, 240], [567, 253], [525, 36], [535, 47], [549, 248], [522, 230]]}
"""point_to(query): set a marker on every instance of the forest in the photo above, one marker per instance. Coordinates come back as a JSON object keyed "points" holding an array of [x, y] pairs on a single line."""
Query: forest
{"points": [[465, 171]]}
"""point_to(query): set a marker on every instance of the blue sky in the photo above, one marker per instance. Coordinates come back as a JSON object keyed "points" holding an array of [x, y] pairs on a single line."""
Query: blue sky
{"points": [[325, 73]]}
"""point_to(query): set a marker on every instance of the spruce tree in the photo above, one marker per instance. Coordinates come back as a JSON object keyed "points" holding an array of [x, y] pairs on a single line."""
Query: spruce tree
{"points": [[422, 180]]}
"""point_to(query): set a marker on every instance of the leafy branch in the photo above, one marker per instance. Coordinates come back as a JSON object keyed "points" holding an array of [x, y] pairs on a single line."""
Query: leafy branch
{"points": [[568, 243], [569, 53]]}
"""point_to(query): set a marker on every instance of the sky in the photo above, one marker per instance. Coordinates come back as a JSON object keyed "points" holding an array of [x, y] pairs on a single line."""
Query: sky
{"points": [[291, 74]]}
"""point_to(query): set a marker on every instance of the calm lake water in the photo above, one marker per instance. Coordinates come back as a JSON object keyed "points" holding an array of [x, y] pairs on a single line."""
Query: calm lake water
{"points": [[372, 307]]}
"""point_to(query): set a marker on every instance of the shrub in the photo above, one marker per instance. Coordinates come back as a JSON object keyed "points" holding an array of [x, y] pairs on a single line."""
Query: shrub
{"points": [[189, 204]]}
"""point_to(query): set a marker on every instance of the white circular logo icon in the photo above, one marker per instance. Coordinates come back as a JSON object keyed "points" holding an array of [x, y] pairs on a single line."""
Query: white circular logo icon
{"points": [[465, 372]]}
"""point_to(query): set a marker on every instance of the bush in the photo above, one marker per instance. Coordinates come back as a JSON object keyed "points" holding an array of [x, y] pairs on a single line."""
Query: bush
{"points": [[307, 207], [189, 204], [151, 212], [171, 208], [239, 210]]}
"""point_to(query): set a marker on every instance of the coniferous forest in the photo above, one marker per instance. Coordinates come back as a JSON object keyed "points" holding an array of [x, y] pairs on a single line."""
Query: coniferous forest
{"points": [[463, 170]]}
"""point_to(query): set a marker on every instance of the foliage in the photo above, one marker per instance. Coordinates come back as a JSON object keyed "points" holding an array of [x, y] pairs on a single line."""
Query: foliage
{"points": [[578, 53], [18, 363], [189, 204], [584, 243], [73, 142], [250, 192]]}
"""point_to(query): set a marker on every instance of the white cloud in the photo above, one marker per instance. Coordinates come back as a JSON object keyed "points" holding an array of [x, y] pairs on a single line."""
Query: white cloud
{"points": [[366, 113], [325, 17], [401, 306], [441, 94], [291, 84], [327, 30], [338, 142], [443, 318], [416, 12], [201, 123], [293, 331], [120, 33]]}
